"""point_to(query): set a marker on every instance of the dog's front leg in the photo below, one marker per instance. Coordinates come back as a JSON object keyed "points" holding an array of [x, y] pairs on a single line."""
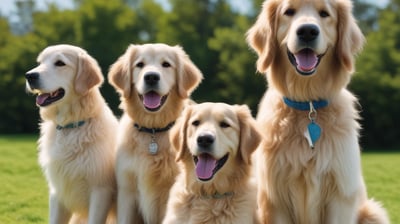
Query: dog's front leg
{"points": [[342, 210], [58, 213], [100, 203], [127, 208]]}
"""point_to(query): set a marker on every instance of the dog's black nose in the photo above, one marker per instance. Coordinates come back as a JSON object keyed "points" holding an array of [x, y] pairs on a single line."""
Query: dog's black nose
{"points": [[308, 32], [205, 140], [32, 77], [151, 78]]}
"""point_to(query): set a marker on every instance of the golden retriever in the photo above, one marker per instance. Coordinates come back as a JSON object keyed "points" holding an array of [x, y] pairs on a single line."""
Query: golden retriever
{"points": [[214, 143], [77, 142], [155, 81], [309, 168]]}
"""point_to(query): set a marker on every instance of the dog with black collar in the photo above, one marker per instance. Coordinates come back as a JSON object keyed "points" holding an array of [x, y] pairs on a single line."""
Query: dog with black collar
{"points": [[155, 82]]}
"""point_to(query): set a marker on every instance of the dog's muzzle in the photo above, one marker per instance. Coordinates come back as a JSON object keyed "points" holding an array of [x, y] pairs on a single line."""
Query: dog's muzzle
{"points": [[206, 164], [306, 60]]}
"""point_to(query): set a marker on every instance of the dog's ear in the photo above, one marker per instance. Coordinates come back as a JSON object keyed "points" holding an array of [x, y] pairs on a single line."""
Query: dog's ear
{"points": [[189, 76], [250, 137], [120, 75], [88, 74], [350, 38], [261, 36], [177, 134]]}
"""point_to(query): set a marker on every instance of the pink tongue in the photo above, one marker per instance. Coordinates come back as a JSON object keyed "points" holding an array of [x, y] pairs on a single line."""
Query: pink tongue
{"points": [[306, 60], [41, 98], [152, 100], [205, 166]]}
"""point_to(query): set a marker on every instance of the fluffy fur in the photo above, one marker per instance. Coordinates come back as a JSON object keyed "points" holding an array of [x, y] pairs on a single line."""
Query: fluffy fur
{"points": [[155, 81], [77, 162], [307, 49], [219, 131]]}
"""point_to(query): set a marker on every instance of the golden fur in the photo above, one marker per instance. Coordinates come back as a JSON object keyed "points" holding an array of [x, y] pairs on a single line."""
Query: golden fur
{"points": [[297, 184], [77, 162], [229, 196], [144, 179]]}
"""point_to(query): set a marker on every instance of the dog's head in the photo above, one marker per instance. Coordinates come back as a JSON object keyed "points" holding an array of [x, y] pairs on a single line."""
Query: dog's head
{"points": [[214, 138], [307, 38], [151, 73], [64, 72]]}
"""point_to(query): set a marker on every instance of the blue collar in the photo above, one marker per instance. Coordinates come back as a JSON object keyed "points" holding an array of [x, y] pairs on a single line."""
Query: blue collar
{"points": [[317, 104], [71, 125]]}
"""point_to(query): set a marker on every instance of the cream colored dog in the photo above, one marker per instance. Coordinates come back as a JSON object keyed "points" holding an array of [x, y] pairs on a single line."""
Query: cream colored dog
{"points": [[77, 142], [214, 143], [155, 81], [309, 169]]}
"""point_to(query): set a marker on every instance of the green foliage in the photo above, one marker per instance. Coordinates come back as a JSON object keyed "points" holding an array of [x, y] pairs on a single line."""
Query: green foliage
{"points": [[377, 81], [236, 67], [213, 35]]}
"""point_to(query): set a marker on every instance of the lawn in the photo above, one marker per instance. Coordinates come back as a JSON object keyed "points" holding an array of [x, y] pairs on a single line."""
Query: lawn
{"points": [[23, 190]]}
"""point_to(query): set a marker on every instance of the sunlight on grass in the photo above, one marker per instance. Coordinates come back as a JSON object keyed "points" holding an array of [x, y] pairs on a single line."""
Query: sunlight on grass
{"points": [[23, 195], [24, 199], [381, 173]]}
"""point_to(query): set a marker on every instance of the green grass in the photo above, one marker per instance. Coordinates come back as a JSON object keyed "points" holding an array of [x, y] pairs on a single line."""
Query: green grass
{"points": [[24, 192], [381, 173]]}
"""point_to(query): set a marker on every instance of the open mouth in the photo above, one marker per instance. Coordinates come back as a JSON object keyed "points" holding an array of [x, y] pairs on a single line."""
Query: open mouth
{"points": [[207, 166], [305, 61], [152, 101], [45, 99]]}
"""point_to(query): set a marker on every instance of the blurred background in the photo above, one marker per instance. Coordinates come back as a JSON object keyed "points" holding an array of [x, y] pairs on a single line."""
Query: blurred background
{"points": [[212, 32]]}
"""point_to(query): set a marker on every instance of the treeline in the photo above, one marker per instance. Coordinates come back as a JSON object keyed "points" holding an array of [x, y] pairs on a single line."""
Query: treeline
{"points": [[212, 33]]}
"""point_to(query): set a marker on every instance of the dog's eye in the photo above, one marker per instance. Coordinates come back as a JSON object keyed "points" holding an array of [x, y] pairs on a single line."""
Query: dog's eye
{"points": [[59, 63], [196, 123], [323, 14], [140, 65], [223, 124], [166, 64], [290, 12]]}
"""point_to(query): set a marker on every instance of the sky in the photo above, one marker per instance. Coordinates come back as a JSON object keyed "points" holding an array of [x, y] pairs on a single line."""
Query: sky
{"points": [[8, 8]]}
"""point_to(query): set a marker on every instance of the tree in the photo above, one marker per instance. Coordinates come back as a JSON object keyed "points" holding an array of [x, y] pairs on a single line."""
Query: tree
{"points": [[191, 24], [237, 81], [366, 14], [377, 81], [17, 110]]}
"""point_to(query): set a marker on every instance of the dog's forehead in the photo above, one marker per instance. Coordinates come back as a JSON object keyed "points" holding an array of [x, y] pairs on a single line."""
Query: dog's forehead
{"points": [[214, 111], [156, 52], [59, 52], [154, 59], [311, 4]]}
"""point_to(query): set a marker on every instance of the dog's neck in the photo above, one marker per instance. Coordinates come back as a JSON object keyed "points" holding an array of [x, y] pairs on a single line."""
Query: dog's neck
{"points": [[313, 131], [153, 129], [71, 125], [306, 105], [217, 195]]}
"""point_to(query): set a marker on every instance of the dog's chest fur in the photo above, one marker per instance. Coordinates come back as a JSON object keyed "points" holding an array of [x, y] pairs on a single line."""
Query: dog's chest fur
{"points": [[302, 178], [70, 159], [152, 172]]}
